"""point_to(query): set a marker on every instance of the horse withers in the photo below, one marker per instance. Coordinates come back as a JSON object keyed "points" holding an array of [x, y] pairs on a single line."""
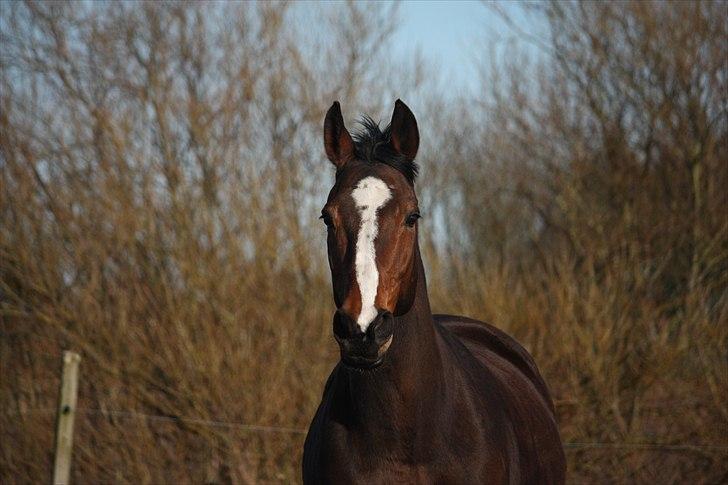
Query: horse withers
{"points": [[416, 397]]}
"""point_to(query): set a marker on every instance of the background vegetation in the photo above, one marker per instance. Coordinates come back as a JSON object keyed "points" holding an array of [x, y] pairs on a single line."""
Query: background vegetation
{"points": [[162, 171]]}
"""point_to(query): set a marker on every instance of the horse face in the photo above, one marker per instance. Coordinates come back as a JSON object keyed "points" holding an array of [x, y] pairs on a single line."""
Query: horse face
{"points": [[371, 217]]}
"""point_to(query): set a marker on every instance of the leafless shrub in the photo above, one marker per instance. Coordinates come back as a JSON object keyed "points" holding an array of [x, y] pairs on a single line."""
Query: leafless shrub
{"points": [[591, 192], [162, 170], [161, 173]]}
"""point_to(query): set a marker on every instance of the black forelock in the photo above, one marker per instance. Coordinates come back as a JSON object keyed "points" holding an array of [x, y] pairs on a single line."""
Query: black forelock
{"points": [[372, 145]]}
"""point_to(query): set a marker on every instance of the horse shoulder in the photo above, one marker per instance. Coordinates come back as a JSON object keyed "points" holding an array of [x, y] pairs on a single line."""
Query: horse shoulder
{"points": [[484, 339], [511, 372]]}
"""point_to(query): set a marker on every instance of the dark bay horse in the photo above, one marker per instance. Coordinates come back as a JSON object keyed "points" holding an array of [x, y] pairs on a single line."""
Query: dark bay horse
{"points": [[416, 397]]}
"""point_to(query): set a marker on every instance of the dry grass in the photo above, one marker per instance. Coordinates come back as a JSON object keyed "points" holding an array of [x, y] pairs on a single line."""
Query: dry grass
{"points": [[161, 177]]}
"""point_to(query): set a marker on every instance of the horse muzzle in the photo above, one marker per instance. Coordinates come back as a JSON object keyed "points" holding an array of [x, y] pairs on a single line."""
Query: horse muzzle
{"points": [[363, 349]]}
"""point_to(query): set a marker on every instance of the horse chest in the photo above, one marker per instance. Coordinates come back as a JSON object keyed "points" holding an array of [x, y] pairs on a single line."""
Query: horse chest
{"points": [[345, 459], [385, 472], [391, 471]]}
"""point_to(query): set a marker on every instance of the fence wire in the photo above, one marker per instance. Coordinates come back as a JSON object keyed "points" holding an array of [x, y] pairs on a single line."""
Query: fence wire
{"points": [[299, 431], [171, 419], [574, 445]]}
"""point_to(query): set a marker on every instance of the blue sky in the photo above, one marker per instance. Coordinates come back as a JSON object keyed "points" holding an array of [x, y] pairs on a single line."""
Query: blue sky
{"points": [[452, 34]]}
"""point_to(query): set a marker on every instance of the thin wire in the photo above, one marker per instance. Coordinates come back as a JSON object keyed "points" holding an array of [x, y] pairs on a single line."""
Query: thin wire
{"points": [[647, 446], [284, 429], [205, 422], [175, 419], [37, 353]]}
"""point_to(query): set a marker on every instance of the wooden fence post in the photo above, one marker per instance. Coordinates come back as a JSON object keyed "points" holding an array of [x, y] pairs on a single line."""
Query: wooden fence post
{"points": [[64, 418]]}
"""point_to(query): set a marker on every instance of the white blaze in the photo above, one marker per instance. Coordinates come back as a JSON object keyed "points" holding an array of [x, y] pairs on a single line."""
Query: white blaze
{"points": [[369, 196]]}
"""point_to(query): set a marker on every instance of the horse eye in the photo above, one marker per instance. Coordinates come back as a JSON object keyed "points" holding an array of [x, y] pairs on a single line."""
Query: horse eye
{"points": [[412, 219]]}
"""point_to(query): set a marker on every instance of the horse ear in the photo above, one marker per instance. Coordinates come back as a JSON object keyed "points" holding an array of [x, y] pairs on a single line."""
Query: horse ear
{"points": [[337, 140], [405, 135]]}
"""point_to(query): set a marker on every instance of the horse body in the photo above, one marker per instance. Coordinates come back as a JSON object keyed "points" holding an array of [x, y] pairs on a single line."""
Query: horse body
{"points": [[479, 412], [416, 397]]}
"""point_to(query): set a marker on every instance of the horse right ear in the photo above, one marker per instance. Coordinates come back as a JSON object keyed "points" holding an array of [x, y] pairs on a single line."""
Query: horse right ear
{"points": [[337, 140]]}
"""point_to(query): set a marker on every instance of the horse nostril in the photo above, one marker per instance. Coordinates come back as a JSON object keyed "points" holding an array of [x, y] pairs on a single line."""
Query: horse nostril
{"points": [[382, 327], [345, 328]]}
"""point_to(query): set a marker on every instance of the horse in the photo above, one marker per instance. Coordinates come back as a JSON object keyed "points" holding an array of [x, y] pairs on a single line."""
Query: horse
{"points": [[415, 397]]}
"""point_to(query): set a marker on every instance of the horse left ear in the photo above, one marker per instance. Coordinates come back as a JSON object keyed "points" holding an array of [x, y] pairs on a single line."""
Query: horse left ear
{"points": [[405, 134]]}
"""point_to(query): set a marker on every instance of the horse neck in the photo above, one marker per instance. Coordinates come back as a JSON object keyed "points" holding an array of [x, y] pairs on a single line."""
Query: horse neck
{"points": [[412, 372]]}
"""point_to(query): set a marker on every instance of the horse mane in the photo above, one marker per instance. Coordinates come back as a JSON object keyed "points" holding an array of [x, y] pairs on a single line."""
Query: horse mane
{"points": [[372, 145]]}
